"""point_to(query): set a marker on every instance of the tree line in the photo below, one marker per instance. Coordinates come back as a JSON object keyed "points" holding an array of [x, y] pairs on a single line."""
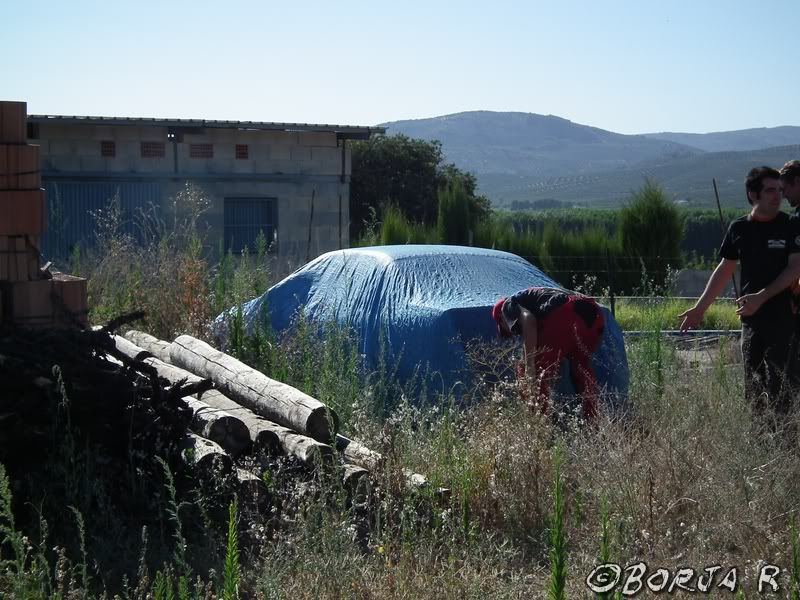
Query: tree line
{"points": [[403, 191]]}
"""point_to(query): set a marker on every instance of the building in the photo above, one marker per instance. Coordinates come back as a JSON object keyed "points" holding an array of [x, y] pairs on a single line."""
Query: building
{"points": [[291, 181]]}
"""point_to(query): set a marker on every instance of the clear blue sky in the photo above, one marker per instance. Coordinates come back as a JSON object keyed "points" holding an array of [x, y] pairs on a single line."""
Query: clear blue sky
{"points": [[627, 66]]}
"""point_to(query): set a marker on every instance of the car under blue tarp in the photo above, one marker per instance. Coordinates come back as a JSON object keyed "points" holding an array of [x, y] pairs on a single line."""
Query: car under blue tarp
{"points": [[427, 302]]}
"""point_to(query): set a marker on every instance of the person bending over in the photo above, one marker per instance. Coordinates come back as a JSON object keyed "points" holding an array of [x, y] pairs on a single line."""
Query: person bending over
{"points": [[555, 325]]}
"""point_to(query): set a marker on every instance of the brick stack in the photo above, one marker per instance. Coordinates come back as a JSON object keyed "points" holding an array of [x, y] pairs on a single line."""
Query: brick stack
{"points": [[29, 296]]}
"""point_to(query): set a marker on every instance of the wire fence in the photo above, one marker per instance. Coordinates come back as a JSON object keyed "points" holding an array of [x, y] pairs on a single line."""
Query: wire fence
{"points": [[617, 275]]}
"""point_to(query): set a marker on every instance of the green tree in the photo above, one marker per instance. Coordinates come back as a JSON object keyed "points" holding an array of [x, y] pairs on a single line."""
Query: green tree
{"points": [[480, 206], [407, 173], [651, 232], [394, 170], [456, 222]]}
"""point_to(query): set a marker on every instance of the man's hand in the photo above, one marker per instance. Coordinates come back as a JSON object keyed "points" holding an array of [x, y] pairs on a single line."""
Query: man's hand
{"points": [[692, 318], [749, 304]]}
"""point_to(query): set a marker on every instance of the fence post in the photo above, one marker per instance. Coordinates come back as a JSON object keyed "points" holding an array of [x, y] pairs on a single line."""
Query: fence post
{"points": [[610, 272]]}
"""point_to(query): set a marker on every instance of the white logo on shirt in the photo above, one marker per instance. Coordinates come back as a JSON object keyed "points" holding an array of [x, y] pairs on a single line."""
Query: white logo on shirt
{"points": [[776, 244]]}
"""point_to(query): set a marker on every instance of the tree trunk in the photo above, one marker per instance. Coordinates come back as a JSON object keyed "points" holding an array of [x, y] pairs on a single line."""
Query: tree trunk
{"points": [[204, 456], [358, 454], [219, 426], [252, 490], [356, 482], [269, 398], [156, 347], [265, 435], [132, 351]]}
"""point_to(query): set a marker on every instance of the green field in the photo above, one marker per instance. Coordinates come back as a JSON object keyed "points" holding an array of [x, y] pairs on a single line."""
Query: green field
{"points": [[662, 314]]}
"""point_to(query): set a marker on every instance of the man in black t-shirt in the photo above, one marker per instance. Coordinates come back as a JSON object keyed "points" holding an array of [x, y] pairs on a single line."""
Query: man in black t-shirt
{"points": [[790, 182], [767, 244], [555, 325]]}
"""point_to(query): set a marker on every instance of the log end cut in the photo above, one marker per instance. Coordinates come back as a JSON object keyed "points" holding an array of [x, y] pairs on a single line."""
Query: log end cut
{"points": [[322, 424]]}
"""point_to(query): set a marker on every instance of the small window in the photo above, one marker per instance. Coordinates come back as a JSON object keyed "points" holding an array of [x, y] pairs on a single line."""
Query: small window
{"points": [[201, 151], [244, 219], [242, 151], [153, 150], [108, 148], [33, 131]]}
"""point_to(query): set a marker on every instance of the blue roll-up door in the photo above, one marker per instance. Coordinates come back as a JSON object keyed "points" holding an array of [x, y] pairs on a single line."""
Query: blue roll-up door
{"points": [[73, 209], [245, 218]]}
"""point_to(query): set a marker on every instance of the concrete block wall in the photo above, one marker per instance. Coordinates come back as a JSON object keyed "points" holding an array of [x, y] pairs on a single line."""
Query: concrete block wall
{"points": [[293, 208], [286, 165], [76, 148]]}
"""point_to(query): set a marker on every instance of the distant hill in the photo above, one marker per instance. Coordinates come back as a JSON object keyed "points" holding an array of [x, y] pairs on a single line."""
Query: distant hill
{"points": [[744, 139], [686, 180], [528, 144], [525, 158]]}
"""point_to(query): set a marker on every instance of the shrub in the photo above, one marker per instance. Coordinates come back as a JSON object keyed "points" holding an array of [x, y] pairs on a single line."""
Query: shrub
{"points": [[651, 229]]}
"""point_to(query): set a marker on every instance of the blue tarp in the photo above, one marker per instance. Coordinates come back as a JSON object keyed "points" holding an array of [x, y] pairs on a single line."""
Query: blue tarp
{"points": [[427, 300]]}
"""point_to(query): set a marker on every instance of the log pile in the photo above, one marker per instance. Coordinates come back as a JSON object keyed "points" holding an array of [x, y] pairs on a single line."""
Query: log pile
{"points": [[278, 417], [272, 399], [57, 382], [113, 399]]}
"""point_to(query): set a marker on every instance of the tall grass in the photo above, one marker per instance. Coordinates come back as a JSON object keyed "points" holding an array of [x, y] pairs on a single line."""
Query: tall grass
{"points": [[669, 482], [690, 477], [231, 575], [658, 315], [558, 542]]}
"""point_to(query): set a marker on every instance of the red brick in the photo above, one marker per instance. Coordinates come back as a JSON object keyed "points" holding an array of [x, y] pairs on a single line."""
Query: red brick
{"points": [[5, 258], [57, 302], [19, 258], [22, 212], [27, 259], [20, 167], [13, 122]]}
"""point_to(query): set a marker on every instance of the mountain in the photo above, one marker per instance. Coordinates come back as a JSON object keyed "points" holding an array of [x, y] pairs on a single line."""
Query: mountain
{"points": [[686, 180], [514, 143], [528, 158], [743, 139]]}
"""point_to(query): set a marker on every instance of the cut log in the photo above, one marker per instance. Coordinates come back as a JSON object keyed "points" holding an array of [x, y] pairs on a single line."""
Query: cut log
{"points": [[131, 350], [358, 454], [156, 347], [356, 482], [219, 426], [271, 437], [271, 399], [265, 435], [252, 490], [204, 456]]}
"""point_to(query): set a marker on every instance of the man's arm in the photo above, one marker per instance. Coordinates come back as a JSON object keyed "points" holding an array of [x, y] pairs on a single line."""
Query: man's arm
{"points": [[528, 325], [716, 283], [750, 303]]}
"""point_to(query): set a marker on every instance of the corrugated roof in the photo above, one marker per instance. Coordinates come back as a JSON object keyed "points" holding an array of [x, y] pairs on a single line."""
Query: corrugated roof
{"points": [[206, 123]]}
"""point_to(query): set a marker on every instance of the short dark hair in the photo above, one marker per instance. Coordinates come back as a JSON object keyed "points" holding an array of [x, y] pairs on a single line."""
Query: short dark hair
{"points": [[754, 182], [790, 170]]}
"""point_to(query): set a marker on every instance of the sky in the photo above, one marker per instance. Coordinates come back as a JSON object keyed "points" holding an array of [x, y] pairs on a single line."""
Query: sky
{"points": [[626, 66]]}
